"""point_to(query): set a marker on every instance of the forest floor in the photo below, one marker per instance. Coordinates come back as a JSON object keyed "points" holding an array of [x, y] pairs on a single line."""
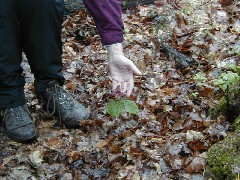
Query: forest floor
{"points": [[169, 136]]}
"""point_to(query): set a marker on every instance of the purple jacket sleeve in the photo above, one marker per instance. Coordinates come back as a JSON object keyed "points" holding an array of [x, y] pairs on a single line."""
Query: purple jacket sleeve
{"points": [[107, 16]]}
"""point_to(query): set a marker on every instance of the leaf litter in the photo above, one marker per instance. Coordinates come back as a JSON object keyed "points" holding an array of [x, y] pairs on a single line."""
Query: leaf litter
{"points": [[169, 136]]}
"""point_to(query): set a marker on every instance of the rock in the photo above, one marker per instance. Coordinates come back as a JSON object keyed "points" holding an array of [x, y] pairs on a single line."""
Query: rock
{"points": [[224, 158]]}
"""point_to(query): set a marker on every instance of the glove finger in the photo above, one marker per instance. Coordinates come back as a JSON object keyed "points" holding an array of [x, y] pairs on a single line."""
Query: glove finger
{"points": [[124, 87], [114, 85], [130, 85], [135, 69]]}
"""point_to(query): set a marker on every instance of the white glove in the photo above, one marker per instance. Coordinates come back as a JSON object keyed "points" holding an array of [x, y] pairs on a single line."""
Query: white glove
{"points": [[121, 69]]}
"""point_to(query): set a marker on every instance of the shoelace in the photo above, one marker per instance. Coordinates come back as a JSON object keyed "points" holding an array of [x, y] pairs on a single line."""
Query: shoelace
{"points": [[16, 112], [61, 96]]}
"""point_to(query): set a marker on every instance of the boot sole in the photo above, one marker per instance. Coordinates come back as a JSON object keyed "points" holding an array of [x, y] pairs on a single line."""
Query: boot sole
{"points": [[29, 140]]}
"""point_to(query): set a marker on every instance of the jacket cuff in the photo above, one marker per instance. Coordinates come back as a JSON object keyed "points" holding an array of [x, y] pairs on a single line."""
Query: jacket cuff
{"points": [[111, 38]]}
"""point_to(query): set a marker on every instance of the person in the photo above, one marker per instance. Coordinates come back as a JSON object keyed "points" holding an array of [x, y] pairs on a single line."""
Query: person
{"points": [[34, 26]]}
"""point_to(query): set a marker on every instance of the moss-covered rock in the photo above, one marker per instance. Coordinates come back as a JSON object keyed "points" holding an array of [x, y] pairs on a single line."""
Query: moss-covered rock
{"points": [[224, 158], [236, 124]]}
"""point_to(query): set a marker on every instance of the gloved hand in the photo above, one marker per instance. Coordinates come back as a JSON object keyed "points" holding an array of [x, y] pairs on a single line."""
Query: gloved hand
{"points": [[121, 69]]}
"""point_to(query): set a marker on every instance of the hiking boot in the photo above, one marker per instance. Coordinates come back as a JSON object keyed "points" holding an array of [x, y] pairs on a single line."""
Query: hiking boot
{"points": [[61, 103], [19, 124]]}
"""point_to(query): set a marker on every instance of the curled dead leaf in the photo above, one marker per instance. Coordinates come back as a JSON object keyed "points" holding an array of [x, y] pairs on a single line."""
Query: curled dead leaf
{"points": [[53, 141], [225, 3], [192, 135], [35, 158], [197, 165], [104, 142]]}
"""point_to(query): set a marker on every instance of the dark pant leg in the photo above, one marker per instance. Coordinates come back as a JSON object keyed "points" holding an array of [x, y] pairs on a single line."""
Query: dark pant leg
{"points": [[11, 79], [41, 25]]}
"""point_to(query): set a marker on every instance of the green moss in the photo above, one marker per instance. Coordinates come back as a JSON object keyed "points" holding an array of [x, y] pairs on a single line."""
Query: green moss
{"points": [[219, 108], [236, 124], [224, 158]]}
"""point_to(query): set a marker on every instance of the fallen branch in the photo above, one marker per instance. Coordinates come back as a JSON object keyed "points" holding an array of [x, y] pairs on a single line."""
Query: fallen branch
{"points": [[181, 60]]}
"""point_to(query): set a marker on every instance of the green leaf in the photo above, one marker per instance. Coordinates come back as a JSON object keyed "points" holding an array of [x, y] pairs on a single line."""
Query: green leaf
{"points": [[115, 108], [227, 80], [235, 68], [130, 106], [200, 78]]}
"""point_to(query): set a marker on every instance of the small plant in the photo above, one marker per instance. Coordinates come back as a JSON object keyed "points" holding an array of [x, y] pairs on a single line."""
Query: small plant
{"points": [[235, 68], [195, 94], [120, 104], [200, 78], [227, 80]]}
